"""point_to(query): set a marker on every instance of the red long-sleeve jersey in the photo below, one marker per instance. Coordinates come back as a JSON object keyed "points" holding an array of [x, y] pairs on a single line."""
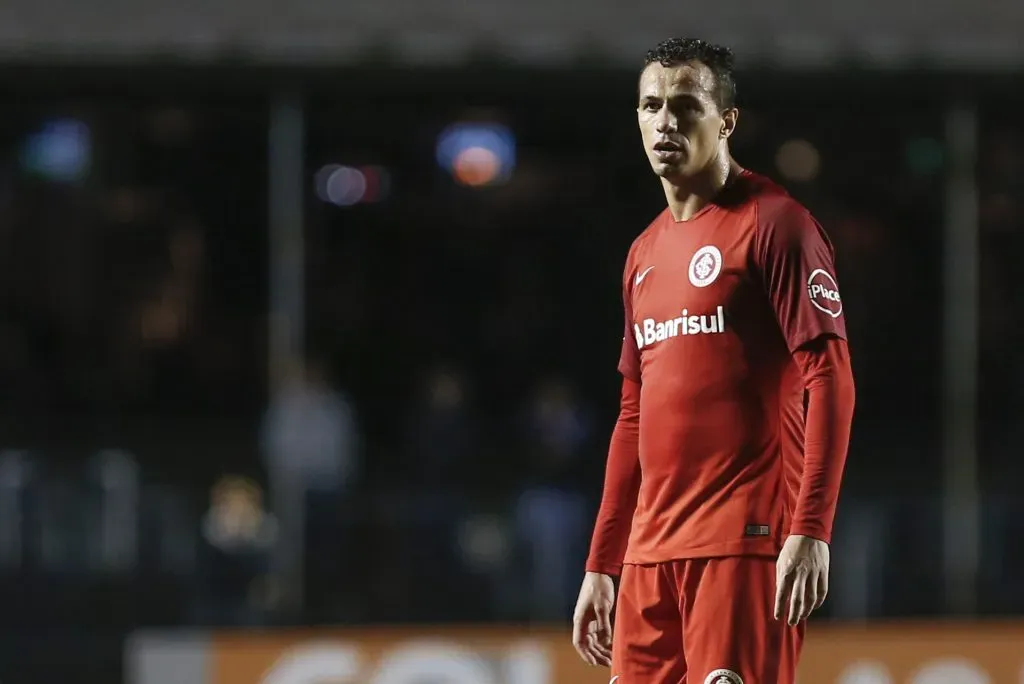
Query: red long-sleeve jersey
{"points": [[732, 318]]}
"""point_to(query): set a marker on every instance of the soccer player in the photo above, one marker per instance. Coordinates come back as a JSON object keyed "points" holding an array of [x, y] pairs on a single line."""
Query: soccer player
{"points": [[737, 398]]}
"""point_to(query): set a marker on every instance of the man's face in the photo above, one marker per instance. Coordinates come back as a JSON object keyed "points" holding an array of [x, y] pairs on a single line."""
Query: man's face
{"points": [[680, 122]]}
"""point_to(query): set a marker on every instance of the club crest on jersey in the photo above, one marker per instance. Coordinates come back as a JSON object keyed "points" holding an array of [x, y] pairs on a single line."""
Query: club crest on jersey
{"points": [[723, 677], [705, 266], [824, 293]]}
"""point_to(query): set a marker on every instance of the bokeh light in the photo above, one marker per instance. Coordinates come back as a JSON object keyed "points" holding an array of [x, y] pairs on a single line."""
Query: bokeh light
{"points": [[798, 160], [476, 166], [477, 154], [347, 186], [59, 151]]}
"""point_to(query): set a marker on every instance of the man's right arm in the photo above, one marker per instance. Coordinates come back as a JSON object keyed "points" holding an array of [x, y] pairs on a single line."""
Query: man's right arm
{"points": [[622, 473], [591, 620], [621, 486]]}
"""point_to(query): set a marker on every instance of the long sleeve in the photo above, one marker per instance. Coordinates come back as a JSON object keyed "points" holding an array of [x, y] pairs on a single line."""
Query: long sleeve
{"points": [[828, 378], [621, 486], [797, 264]]}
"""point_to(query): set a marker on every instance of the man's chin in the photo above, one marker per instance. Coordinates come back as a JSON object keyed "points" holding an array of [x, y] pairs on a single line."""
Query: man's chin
{"points": [[668, 171]]}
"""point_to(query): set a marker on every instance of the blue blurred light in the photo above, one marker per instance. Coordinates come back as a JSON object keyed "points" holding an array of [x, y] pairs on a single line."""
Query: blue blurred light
{"points": [[495, 138], [60, 151]]}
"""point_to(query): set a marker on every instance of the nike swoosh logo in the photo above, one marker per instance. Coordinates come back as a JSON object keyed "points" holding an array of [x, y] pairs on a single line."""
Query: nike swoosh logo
{"points": [[639, 279], [616, 677]]}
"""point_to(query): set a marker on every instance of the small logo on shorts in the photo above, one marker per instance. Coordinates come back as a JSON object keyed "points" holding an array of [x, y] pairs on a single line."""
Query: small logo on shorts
{"points": [[613, 679], [723, 677], [757, 531]]}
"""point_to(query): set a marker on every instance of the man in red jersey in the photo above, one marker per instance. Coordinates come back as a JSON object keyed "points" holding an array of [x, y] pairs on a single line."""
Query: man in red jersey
{"points": [[721, 483]]}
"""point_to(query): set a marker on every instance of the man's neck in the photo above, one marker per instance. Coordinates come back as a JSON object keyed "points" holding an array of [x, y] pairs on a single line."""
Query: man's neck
{"points": [[686, 199]]}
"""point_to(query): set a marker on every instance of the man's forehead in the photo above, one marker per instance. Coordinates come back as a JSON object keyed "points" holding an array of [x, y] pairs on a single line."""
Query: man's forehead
{"points": [[691, 77]]}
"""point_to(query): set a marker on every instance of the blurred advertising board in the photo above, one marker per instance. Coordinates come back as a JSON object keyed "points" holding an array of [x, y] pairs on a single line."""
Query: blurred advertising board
{"points": [[883, 654]]}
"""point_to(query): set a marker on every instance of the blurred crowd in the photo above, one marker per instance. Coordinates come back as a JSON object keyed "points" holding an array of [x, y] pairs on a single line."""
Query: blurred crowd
{"points": [[437, 452]]}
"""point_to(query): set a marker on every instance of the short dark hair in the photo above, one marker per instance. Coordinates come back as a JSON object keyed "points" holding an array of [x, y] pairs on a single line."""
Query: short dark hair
{"points": [[718, 58]]}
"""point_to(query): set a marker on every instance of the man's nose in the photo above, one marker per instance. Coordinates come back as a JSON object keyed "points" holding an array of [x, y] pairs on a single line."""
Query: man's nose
{"points": [[665, 123]]}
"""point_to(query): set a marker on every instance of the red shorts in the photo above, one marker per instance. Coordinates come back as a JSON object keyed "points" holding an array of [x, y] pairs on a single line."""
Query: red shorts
{"points": [[705, 620]]}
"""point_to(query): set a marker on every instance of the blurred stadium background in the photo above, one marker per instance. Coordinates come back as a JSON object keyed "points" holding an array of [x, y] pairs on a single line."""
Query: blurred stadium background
{"points": [[309, 320]]}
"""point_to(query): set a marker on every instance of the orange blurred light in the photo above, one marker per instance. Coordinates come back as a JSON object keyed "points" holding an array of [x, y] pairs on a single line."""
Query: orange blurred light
{"points": [[476, 166]]}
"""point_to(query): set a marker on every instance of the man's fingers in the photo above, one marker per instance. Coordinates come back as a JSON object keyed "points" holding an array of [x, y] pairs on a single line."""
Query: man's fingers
{"points": [[810, 596], [783, 588], [580, 637], [822, 589], [796, 597], [584, 651], [604, 626], [591, 650], [587, 641], [577, 631], [601, 636], [601, 654], [583, 648]]}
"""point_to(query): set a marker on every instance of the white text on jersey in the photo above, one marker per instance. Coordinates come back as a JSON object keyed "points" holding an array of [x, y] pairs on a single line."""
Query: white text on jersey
{"points": [[654, 331]]}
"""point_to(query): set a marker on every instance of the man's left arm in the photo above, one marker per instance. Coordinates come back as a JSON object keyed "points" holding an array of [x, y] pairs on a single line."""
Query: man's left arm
{"points": [[797, 263], [828, 377]]}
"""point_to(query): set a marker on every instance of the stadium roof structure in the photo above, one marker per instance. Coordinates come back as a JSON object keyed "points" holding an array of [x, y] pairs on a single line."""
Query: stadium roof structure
{"points": [[801, 34]]}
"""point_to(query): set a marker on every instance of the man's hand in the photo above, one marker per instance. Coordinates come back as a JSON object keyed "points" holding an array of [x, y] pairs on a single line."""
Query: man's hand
{"points": [[801, 578], [592, 619]]}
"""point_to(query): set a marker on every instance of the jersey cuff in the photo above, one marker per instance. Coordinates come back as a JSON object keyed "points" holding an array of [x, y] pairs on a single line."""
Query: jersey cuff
{"points": [[613, 569], [812, 530]]}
